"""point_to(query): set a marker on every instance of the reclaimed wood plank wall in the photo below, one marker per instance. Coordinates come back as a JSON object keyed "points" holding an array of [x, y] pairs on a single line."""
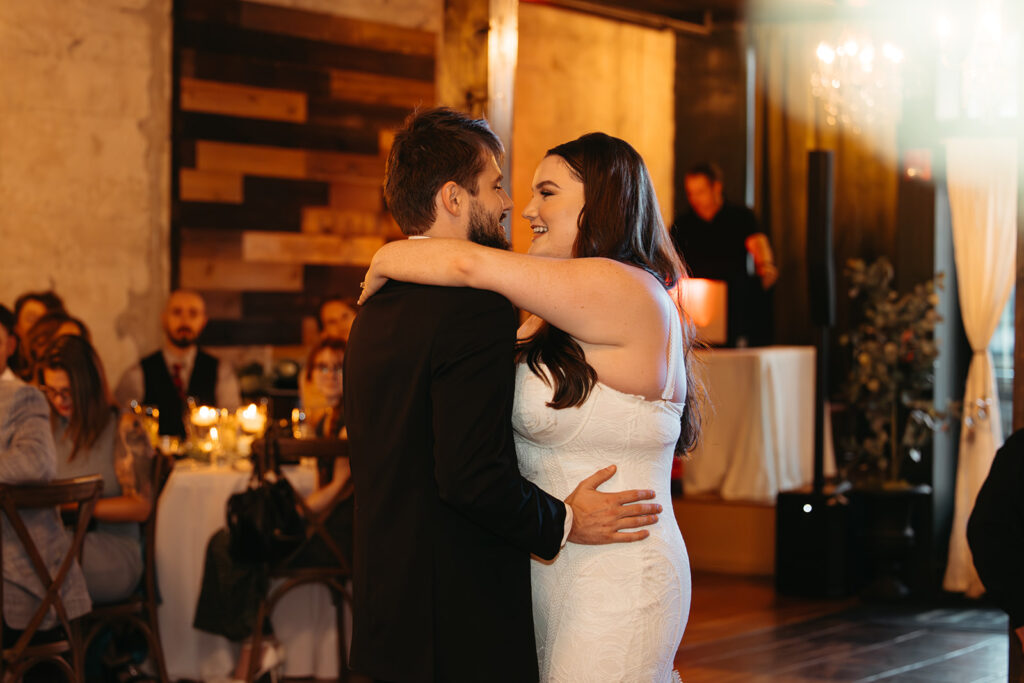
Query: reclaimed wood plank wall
{"points": [[282, 121]]}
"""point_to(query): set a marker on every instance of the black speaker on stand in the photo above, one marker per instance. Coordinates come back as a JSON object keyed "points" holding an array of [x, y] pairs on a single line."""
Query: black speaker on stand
{"points": [[811, 527], [821, 287]]}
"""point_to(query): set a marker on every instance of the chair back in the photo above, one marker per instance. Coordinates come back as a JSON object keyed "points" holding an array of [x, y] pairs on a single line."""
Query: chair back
{"points": [[273, 453], [163, 466], [84, 491], [140, 609], [269, 455]]}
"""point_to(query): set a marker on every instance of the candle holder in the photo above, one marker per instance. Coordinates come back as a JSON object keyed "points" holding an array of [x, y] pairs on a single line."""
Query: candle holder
{"points": [[252, 423], [203, 433], [227, 435]]}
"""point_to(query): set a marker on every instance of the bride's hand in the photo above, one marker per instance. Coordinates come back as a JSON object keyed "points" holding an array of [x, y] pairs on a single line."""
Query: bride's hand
{"points": [[374, 279]]}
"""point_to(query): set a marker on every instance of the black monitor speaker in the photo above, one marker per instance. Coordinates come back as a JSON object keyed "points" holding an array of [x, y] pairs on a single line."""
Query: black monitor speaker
{"points": [[821, 277], [813, 551]]}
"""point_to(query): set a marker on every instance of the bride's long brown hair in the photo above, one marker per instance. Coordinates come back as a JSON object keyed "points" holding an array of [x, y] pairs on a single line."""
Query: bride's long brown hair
{"points": [[620, 220]]}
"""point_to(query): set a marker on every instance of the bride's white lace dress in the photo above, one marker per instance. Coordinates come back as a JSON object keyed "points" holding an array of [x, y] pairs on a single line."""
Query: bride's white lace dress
{"points": [[609, 613]]}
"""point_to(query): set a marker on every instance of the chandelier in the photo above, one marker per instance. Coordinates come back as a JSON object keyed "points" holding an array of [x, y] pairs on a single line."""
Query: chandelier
{"points": [[856, 82]]}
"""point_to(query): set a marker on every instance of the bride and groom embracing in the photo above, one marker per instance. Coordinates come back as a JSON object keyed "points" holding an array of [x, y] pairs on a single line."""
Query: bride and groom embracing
{"points": [[471, 451]]}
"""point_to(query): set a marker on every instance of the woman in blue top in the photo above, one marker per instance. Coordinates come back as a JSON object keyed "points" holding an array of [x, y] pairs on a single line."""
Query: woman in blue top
{"points": [[89, 441]]}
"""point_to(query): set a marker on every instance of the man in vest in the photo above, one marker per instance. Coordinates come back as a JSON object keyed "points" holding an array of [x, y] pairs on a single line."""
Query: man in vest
{"points": [[165, 378]]}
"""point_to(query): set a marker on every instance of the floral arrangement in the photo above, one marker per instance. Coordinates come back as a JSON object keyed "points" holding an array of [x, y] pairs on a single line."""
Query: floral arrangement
{"points": [[889, 386]]}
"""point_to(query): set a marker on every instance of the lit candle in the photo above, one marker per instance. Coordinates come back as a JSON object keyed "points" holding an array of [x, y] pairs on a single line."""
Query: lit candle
{"points": [[204, 416], [251, 420]]}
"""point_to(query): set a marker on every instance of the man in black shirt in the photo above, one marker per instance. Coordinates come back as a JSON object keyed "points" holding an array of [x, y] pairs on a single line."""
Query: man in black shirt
{"points": [[720, 240]]}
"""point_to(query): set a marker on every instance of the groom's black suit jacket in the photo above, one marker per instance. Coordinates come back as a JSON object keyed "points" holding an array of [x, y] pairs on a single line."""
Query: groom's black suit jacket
{"points": [[444, 522]]}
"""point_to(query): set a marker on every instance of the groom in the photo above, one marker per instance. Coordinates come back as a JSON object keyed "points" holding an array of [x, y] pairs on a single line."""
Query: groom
{"points": [[445, 524]]}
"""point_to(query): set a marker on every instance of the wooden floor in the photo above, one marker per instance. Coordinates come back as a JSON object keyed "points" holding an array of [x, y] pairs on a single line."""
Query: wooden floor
{"points": [[739, 631]]}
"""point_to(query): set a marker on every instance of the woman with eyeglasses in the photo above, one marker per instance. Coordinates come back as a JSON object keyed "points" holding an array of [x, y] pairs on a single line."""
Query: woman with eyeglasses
{"points": [[324, 371], [27, 457], [90, 439], [231, 589]]}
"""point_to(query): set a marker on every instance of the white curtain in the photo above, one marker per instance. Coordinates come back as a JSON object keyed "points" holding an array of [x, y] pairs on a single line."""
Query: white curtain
{"points": [[981, 175]]}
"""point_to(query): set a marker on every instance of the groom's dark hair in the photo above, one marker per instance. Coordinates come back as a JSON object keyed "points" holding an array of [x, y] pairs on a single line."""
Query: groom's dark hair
{"points": [[433, 147]]}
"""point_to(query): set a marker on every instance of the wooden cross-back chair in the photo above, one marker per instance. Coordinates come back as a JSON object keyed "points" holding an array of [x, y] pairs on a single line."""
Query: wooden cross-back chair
{"points": [[140, 608], [270, 454], [23, 654]]}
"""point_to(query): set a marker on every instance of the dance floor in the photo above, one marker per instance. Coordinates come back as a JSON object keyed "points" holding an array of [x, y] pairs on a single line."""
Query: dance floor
{"points": [[740, 631]]}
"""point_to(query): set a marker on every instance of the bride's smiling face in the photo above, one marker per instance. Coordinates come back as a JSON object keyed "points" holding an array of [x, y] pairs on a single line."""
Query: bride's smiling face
{"points": [[555, 208]]}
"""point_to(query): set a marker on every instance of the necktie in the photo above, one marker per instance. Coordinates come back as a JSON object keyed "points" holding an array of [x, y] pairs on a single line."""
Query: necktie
{"points": [[179, 384]]}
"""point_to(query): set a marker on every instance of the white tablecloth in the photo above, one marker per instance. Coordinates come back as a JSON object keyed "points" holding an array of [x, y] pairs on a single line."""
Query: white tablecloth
{"points": [[191, 509], [758, 433]]}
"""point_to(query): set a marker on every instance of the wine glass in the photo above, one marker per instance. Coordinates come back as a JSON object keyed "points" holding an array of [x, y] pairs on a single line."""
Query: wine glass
{"points": [[149, 417]]}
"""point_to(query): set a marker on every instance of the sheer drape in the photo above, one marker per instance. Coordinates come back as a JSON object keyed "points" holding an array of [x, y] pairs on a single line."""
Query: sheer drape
{"points": [[982, 181]]}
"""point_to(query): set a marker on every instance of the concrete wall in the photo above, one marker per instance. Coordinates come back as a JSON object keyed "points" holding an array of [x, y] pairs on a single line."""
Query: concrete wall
{"points": [[85, 99], [85, 138], [579, 73], [84, 158]]}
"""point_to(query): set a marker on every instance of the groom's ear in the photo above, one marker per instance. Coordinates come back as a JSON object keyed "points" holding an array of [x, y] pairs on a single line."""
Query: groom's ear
{"points": [[452, 198]]}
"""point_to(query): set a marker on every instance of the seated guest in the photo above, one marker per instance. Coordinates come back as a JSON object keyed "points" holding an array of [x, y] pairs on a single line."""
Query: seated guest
{"points": [[232, 590], [334, 322], [336, 317], [8, 341], [323, 371], [28, 308], [995, 534], [31, 306], [45, 329], [90, 439], [27, 455], [165, 378]]}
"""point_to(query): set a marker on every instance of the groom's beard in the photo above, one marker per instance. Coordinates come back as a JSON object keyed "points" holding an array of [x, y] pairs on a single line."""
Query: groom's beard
{"points": [[487, 230]]}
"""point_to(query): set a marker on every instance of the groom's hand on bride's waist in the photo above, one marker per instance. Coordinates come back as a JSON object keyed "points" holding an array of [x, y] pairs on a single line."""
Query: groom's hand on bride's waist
{"points": [[600, 518]]}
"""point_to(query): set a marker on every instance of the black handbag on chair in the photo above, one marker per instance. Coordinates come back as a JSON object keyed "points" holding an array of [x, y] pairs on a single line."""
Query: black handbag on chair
{"points": [[264, 523]]}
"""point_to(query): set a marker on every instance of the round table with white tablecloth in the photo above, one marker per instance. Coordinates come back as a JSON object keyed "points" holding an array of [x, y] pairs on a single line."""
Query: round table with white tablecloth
{"points": [[757, 436], [191, 509]]}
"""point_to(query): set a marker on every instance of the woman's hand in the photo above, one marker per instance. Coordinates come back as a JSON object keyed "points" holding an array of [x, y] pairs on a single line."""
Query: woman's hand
{"points": [[321, 498], [437, 261], [374, 279]]}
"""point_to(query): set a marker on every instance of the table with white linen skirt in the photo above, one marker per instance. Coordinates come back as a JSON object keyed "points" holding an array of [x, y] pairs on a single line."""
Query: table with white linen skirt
{"points": [[758, 433], [191, 510]]}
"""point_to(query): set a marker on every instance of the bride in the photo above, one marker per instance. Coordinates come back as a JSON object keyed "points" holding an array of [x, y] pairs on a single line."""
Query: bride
{"points": [[602, 377]]}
